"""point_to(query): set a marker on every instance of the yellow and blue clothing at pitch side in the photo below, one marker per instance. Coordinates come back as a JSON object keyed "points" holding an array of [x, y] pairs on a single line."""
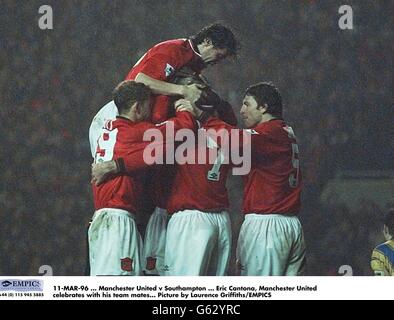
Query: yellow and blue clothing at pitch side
{"points": [[382, 261]]}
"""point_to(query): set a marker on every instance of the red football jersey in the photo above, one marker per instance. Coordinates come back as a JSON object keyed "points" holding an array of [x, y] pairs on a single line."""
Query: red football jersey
{"points": [[161, 184], [274, 182], [123, 139], [161, 62], [202, 186]]}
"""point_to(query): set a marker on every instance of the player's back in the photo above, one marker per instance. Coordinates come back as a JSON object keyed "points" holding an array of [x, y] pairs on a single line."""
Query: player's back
{"points": [[118, 138], [274, 182], [382, 261], [107, 112], [202, 186], [169, 55]]}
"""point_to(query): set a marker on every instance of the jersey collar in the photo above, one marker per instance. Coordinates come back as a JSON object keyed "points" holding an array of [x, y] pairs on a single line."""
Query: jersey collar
{"points": [[194, 50]]}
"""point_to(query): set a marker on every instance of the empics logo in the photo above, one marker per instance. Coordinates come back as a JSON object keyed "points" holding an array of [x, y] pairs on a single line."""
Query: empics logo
{"points": [[21, 285], [6, 283]]}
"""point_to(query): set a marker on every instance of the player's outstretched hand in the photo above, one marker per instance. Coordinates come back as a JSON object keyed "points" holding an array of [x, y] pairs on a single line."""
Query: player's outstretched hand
{"points": [[101, 172], [185, 105], [193, 92]]}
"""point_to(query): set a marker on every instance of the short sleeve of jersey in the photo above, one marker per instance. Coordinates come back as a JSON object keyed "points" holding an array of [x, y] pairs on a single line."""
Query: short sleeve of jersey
{"points": [[272, 137]]}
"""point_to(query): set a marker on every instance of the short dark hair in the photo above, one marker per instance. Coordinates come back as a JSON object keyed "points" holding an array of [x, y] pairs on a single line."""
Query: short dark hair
{"points": [[267, 93], [128, 92], [389, 221], [221, 37]]}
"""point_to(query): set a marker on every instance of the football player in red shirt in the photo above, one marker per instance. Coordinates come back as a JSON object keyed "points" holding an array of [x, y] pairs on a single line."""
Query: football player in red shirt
{"points": [[199, 232], [271, 240], [114, 241], [158, 65]]}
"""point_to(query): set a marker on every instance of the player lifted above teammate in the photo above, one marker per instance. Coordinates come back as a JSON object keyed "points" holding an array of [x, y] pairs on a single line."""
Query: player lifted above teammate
{"points": [[157, 67], [159, 64]]}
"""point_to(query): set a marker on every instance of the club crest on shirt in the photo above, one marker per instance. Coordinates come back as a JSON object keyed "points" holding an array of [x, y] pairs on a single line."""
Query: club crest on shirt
{"points": [[169, 69], [150, 263], [126, 264]]}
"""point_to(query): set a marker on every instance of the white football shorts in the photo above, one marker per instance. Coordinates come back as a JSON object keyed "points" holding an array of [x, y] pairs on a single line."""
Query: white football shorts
{"points": [[115, 245], [271, 245], [198, 244], [155, 242]]}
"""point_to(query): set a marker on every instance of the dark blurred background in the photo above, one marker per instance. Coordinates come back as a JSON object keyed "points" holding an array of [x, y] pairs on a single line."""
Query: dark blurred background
{"points": [[336, 85]]}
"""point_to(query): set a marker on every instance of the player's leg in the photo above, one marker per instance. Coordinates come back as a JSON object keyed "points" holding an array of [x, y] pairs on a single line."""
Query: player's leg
{"points": [[191, 239], [115, 244], [297, 260], [155, 242], [247, 244], [264, 245], [223, 251]]}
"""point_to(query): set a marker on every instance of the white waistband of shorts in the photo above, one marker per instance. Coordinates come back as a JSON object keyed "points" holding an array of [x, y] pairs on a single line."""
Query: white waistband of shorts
{"points": [[114, 211], [268, 216], [195, 211]]}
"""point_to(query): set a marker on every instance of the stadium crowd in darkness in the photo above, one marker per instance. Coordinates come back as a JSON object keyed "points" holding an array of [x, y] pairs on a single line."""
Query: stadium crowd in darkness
{"points": [[336, 86]]}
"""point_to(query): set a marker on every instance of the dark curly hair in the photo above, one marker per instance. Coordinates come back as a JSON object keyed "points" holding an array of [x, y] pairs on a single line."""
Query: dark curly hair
{"points": [[221, 37]]}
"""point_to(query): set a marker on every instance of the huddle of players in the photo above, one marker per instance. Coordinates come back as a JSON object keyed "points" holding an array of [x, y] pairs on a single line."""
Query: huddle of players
{"points": [[189, 232]]}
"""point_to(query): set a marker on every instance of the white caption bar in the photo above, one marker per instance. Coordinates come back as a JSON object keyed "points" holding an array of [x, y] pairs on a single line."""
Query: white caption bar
{"points": [[196, 288]]}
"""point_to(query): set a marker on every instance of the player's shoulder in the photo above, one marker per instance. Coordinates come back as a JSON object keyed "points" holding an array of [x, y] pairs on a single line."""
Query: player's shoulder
{"points": [[386, 248], [131, 126], [217, 124], [390, 243], [108, 111], [273, 127]]}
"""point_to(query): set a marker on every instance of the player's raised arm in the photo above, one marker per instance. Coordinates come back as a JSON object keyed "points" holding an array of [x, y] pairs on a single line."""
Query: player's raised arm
{"points": [[190, 92]]}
